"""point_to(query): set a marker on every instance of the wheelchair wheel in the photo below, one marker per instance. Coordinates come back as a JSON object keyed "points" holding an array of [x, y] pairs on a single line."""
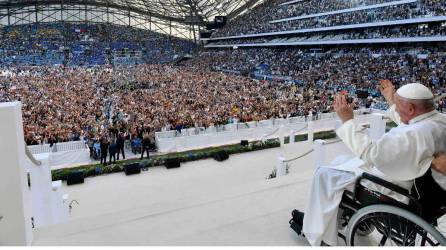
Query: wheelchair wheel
{"points": [[391, 226]]}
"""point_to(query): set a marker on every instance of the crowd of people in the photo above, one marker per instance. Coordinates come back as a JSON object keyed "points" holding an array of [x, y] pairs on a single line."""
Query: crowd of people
{"points": [[179, 97], [336, 69], [258, 19], [406, 31], [358, 65], [73, 103], [86, 44], [109, 103], [302, 8], [59, 105], [69, 104]]}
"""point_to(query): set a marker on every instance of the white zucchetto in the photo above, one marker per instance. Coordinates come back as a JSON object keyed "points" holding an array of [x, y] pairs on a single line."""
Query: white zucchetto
{"points": [[415, 91]]}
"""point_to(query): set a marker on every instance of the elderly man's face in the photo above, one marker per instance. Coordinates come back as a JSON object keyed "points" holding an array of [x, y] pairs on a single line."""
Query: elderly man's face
{"points": [[405, 109]]}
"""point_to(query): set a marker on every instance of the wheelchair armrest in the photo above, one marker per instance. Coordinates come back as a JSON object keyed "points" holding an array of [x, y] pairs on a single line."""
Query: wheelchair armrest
{"points": [[384, 183], [388, 185]]}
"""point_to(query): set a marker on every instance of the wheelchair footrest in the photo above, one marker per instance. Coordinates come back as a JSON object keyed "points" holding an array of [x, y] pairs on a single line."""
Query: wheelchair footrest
{"points": [[296, 227]]}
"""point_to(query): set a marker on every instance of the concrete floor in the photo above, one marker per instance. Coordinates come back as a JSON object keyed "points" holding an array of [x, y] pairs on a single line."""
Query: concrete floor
{"points": [[202, 203]]}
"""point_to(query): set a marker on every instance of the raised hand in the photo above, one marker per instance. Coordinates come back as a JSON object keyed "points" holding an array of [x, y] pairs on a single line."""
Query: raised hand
{"points": [[387, 90], [343, 108]]}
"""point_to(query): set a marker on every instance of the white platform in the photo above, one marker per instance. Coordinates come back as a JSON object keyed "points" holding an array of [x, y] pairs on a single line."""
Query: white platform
{"points": [[202, 203]]}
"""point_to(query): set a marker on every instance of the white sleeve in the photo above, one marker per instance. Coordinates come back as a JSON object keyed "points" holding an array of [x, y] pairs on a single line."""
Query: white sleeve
{"points": [[392, 114], [352, 135], [400, 154]]}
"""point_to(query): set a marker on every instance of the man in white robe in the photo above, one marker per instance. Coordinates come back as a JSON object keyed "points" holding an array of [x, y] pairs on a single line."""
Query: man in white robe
{"points": [[399, 156]]}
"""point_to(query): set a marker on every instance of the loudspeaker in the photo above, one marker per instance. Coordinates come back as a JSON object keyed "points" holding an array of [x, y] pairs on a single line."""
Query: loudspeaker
{"points": [[172, 163], [210, 26], [205, 34], [144, 165], [221, 155], [220, 21], [244, 142], [132, 168], [76, 177]]}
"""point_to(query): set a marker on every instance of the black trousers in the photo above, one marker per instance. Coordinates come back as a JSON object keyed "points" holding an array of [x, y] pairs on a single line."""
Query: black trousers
{"points": [[121, 150], [145, 148], [91, 151], [104, 158], [110, 158]]}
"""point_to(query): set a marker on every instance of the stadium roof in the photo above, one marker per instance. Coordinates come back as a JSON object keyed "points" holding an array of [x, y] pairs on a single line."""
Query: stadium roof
{"points": [[183, 11]]}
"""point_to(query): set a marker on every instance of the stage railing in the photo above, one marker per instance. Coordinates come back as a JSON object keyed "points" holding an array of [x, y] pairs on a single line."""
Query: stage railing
{"points": [[187, 139], [57, 147]]}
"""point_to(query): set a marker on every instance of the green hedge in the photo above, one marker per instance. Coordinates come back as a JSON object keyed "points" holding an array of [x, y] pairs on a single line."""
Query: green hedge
{"points": [[193, 155], [98, 169]]}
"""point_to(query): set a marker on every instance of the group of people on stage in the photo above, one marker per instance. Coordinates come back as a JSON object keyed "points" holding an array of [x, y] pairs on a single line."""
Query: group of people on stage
{"points": [[114, 144]]}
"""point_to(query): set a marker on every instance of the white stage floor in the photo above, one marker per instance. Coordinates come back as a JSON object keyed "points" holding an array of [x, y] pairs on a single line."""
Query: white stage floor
{"points": [[202, 203]]}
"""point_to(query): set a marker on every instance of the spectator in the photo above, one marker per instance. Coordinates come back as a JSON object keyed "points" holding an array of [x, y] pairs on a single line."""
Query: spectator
{"points": [[97, 150], [113, 150], [120, 144], [90, 143], [145, 145], [104, 149]]}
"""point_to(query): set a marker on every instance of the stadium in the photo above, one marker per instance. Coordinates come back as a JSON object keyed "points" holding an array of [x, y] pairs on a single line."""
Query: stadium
{"points": [[223, 123]]}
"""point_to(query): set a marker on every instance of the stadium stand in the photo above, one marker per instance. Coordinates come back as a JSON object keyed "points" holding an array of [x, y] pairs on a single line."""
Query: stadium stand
{"points": [[87, 45], [213, 89], [264, 17]]}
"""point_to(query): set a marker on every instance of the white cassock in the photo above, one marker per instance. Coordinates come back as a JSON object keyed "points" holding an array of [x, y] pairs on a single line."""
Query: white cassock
{"points": [[399, 156]]}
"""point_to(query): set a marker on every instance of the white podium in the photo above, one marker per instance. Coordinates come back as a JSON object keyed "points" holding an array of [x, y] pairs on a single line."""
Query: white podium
{"points": [[42, 200], [49, 206], [15, 196]]}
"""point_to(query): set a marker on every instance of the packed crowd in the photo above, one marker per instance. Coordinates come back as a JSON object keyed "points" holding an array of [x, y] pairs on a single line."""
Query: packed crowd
{"points": [[69, 104], [108, 104], [391, 13], [258, 19], [58, 105], [63, 104], [303, 8], [176, 98], [339, 68], [407, 31], [86, 44]]}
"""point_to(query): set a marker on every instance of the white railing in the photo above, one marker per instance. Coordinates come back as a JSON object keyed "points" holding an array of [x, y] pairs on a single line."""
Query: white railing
{"points": [[334, 42], [172, 141], [57, 147], [252, 124], [291, 2]]}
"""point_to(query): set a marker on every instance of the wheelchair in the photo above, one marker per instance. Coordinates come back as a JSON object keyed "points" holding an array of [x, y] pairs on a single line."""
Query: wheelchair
{"points": [[374, 219], [136, 146]]}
